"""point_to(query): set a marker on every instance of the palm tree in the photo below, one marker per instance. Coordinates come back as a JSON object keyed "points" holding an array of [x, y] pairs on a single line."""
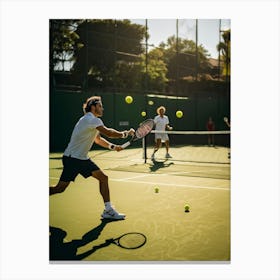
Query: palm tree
{"points": [[224, 48]]}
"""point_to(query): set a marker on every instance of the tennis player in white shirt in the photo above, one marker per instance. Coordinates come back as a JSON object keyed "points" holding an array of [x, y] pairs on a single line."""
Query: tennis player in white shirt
{"points": [[161, 124], [76, 160]]}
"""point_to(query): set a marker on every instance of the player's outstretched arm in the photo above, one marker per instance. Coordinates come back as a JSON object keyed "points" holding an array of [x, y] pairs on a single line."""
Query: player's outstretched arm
{"points": [[113, 133], [106, 144]]}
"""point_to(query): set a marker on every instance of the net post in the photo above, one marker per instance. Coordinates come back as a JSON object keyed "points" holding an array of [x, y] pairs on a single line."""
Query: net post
{"points": [[144, 145]]}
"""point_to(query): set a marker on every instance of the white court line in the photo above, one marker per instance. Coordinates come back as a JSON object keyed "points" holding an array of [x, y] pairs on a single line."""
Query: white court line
{"points": [[170, 184], [188, 172], [134, 177], [159, 174], [127, 180]]}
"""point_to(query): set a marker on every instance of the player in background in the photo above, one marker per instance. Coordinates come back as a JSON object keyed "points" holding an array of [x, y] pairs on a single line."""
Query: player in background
{"points": [[76, 160], [210, 125], [228, 125], [161, 124]]}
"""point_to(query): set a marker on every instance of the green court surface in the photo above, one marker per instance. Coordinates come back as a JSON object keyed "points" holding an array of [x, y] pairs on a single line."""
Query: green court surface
{"points": [[199, 176]]}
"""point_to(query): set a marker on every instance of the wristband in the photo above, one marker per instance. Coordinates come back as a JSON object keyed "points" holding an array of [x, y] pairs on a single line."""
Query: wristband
{"points": [[125, 134], [111, 146]]}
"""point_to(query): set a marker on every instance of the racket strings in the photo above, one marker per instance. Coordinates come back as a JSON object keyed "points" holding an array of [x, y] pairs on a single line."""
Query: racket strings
{"points": [[144, 129]]}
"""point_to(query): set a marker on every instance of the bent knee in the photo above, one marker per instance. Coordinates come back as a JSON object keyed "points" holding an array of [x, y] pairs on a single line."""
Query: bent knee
{"points": [[99, 175], [104, 178]]}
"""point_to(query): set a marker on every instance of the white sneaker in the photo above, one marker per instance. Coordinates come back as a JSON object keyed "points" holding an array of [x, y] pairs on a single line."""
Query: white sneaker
{"points": [[168, 155], [112, 214]]}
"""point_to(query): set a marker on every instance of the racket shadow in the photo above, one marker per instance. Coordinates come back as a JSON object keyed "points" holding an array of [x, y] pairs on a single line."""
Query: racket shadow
{"points": [[129, 240], [63, 251]]}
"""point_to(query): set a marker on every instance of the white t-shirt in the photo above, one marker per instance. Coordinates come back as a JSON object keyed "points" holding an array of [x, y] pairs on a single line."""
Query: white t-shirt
{"points": [[160, 124], [83, 136]]}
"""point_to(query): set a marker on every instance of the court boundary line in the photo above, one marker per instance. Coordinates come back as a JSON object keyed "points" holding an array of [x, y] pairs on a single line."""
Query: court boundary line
{"points": [[170, 184], [168, 173], [127, 180]]}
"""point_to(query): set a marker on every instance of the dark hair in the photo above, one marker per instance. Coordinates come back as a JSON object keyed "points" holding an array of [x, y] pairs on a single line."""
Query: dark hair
{"points": [[92, 101]]}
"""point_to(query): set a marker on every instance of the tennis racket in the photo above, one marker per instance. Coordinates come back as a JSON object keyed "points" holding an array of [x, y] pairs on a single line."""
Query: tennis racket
{"points": [[131, 240], [144, 129]]}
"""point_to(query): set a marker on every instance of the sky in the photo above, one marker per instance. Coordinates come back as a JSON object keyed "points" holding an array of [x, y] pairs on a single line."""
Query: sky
{"points": [[208, 31]]}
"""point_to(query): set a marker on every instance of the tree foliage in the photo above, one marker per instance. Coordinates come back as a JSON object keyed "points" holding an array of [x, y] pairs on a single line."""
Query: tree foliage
{"points": [[111, 54], [156, 70], [224, 48], [112, 49], [183, 59], [63, 42]]}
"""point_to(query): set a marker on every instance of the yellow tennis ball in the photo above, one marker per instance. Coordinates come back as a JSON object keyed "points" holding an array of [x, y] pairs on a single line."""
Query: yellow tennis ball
{"points": [[156, 189], [143, 114], [179, 114], [187, 208], [128, 99]]}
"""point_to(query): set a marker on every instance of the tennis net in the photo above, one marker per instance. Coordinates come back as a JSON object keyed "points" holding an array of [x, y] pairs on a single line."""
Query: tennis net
{"points": [[190, 146], [190, 156]]}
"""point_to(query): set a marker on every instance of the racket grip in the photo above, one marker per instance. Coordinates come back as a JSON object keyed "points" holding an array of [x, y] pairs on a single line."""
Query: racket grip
{"points": [[125, 145]]}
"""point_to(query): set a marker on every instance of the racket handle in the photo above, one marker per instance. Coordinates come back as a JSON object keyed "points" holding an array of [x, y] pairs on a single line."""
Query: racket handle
{"points": [[125, 145]]}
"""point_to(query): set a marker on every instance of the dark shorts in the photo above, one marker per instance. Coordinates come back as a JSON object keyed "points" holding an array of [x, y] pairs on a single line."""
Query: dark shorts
{"points": [[73, 166]]}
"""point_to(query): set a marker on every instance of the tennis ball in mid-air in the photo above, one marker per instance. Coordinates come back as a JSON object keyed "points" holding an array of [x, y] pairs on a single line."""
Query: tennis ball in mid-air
{"points": [[128, 99], [179, 114], [156, 189], [143, 114], [187, 208]]}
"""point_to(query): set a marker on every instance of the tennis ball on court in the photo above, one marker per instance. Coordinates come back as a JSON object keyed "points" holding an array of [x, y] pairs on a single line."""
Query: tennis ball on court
{"points": [[128, 99], [143, 114], [187, 208], [179, 114], [156, 189]]}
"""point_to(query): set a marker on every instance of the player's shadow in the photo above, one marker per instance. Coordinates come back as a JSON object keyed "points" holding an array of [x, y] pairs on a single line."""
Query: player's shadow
{"points": [[156, 165], [60, 250]]}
